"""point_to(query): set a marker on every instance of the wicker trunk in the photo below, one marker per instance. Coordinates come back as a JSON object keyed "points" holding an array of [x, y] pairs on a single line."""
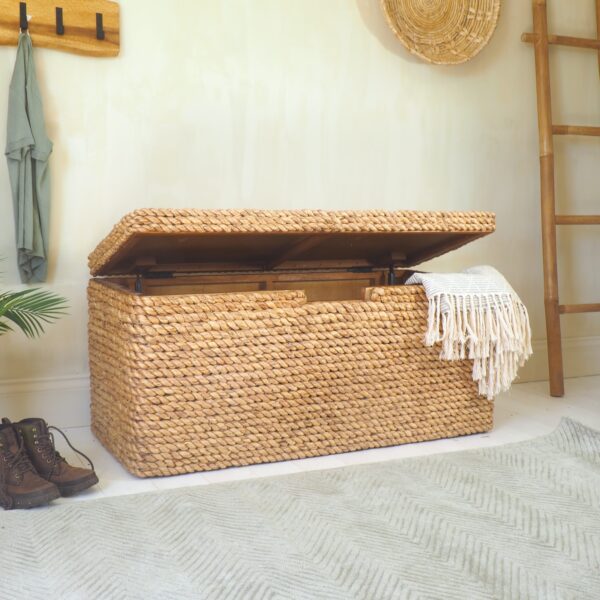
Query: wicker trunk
{"points": [[295, 338]]}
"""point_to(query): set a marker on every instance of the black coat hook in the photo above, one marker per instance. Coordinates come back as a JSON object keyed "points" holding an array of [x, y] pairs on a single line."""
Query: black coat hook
{"points": [[23, 16], [60, 27], [99, 27]]}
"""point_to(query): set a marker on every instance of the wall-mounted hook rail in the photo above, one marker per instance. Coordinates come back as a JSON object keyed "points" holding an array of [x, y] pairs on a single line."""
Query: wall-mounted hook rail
{"points": [[87, 27], [23, 24], [60, 27], [99, 27]]}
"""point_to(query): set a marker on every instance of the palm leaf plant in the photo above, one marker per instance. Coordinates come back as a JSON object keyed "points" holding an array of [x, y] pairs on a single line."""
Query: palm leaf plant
{"points": [[29, 310]]}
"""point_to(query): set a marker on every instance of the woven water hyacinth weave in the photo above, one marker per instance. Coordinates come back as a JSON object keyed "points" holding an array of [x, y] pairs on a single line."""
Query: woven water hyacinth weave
{"points": [[194, 221], [198, 378], [515, 522], [199, 382]]}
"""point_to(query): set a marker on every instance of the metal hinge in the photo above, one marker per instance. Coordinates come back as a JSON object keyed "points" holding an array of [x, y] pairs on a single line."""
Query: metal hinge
{"points": [[139, 278]]}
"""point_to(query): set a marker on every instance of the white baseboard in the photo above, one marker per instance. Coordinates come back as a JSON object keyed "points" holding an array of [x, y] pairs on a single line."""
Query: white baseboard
{"points": [[64, 401], [581, 358]]}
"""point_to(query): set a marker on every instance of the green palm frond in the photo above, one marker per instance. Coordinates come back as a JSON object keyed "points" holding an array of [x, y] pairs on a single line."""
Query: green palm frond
{"points": [[30, 310]]}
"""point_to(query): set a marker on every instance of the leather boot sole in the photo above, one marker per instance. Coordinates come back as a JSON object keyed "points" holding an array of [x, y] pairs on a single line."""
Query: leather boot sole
{"points": [[33, 499], [74, 487]]}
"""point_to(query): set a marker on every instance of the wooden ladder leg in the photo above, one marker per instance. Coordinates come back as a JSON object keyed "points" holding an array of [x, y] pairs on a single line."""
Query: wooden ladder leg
{"points": [[598, 28], [551, 299]]}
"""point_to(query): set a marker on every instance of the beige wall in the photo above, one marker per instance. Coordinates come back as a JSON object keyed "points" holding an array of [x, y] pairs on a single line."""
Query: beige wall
{"points": [[303, 104]]}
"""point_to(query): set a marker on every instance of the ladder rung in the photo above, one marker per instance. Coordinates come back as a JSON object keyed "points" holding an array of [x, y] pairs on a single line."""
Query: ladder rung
{"points": [[575, 130], [578, 308], [578, 219], [565, 40]]}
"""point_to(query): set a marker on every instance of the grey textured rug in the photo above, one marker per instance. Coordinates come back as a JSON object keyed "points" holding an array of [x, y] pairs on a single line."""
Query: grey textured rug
{"points": [[517, 521]]}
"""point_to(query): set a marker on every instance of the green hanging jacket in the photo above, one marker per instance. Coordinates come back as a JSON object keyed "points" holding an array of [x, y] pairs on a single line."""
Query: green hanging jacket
{"points": [[27, 151]]}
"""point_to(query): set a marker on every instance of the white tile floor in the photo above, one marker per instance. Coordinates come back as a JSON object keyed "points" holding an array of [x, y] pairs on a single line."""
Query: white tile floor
{"points": [[526, 412]]}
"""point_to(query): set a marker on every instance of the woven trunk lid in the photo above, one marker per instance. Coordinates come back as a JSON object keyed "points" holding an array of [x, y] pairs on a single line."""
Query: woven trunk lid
{"points": [[181, 240]]}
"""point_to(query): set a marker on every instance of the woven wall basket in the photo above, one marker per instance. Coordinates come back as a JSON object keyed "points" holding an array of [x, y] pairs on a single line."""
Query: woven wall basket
{"points": [[196, 364], [446, 32]]}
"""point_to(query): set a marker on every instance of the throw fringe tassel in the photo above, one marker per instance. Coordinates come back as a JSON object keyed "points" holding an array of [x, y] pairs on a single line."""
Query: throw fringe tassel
{"points": [[492, 330]]}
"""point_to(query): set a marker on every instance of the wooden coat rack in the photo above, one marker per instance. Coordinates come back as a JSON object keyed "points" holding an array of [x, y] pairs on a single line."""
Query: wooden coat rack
{"points": [[87, 27]]}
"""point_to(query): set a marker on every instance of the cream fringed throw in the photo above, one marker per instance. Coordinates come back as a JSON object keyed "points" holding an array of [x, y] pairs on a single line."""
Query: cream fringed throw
{"points": [[477, 315]]}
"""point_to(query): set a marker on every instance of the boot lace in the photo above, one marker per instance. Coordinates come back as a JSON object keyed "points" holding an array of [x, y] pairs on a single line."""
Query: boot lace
{"points": [[51, 455], [18, 464]]}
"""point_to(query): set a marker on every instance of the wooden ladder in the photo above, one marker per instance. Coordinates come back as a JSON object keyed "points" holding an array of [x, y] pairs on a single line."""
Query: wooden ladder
{"points": [[547, 129]]}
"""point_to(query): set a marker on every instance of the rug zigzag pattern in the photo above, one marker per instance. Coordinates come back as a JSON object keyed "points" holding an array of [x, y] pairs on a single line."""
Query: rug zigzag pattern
{"points": [[568, 533], [515, 522]]}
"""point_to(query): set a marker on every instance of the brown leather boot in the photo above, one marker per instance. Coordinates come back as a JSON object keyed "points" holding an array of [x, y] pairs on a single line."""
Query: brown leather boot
{"points": [[20, 485], [49, 464]]}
